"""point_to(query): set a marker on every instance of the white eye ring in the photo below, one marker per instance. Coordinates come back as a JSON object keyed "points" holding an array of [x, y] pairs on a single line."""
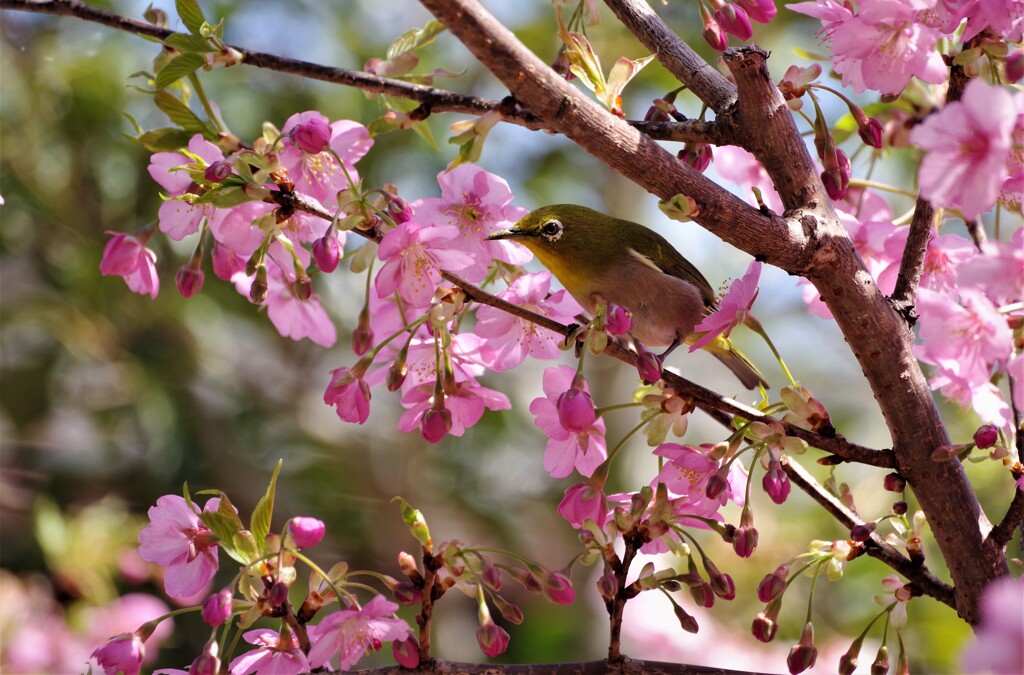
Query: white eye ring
{"points": [[551, 230]]}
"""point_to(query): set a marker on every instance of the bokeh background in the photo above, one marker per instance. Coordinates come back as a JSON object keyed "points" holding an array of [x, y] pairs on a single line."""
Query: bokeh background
{"points": [[109, 399]]}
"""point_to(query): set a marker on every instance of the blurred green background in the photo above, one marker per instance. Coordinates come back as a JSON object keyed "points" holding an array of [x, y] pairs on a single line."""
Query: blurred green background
{"points": [[109, 400]]}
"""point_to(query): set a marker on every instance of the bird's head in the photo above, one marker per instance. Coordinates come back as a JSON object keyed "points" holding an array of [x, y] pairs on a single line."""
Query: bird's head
{"points": [[562, 236]]}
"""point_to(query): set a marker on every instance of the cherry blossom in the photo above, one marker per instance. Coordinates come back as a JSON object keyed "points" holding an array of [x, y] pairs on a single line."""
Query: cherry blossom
{"points": [[127, 256], [510, 339], [319, 174], [999, 271], [565, 449], [353, 632], [177, 539], [306, 532], [736, 165], [277, 654], [733, 308], [967, 146], [414, 255], [121, 654], [478, 204], [466, 405], [178, 218], [349, 394], [582, 502]]}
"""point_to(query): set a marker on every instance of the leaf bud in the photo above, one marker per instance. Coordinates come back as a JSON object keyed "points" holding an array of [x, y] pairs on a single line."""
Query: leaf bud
{"points": [[258, 290]]}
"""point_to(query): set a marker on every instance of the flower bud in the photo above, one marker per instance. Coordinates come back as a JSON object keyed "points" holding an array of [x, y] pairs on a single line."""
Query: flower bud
{"points": [[509, 610], [618, 320], [258, 290], [986, 436], [648, 365], [217, 607], [303, 287], [803, 654], [492, 638], [218, 171], [406, 652], [862, 532], [721, 583], [1015, 66], [894, 482], [871, 133], [765, 625], [848, 661], [762, 11], [207, 663], [899, 508], [399, 209], [311, 136], [278, 594], [773, 585], [306, 532], [717, 484], [558, 589], [688, 623], [406, 593], [733, 19], [327, 251], [189, 280], [712, 32], [745, 541], [836, 178], [880, 666], [703, 594], [575, 409], [776, 483], [435, 424], [697, 155]]}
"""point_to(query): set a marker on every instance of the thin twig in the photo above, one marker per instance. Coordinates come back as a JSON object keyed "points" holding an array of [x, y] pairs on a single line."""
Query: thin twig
{"points": [[1002, 533], [912, 262], [676, 56]]}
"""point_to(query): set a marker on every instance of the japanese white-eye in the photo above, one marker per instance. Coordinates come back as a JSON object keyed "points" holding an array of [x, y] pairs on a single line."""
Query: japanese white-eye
{"points": [[601, 259]]}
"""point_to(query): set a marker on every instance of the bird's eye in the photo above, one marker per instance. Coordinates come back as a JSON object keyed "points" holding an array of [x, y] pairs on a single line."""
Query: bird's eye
{"points": [[552, 230]]}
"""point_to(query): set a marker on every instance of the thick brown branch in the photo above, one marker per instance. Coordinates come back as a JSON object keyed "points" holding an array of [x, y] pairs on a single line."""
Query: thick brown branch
{"points": [[876, 546], [625, 666], [675, 55]]}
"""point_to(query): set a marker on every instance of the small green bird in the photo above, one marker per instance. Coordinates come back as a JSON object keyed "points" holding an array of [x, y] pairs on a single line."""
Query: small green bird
{"points": [[598, 258]]}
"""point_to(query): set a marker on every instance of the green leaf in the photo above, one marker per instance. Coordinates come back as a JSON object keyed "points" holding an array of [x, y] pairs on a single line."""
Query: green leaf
{"points": [[415, 38], [180, 66], [225, 196], [245, 546], [179, 113], [191, 15], [164, 139], [259, 522], [184, 43], [422, 130]]}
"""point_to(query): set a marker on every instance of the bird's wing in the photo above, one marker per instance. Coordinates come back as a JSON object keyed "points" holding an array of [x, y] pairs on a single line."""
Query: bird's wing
{"points": [[678, 266]]}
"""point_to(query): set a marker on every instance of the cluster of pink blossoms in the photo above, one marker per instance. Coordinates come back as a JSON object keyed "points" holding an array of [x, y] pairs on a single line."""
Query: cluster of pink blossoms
{"points": [[178, 539]]}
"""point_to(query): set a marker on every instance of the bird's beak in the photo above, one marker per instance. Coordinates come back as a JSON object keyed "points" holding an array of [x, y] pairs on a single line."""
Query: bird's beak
{"points": [[510, 233]]}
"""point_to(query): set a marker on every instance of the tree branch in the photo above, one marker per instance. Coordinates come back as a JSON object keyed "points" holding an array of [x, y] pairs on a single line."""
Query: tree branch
{"points": [[625, 666], [1002, 533], [875, 546], [676, 56], [912, 262]]}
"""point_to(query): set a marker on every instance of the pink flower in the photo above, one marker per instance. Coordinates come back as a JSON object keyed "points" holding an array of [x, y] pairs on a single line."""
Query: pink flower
{"points": [[968, 145], [178, 218], [125, 256], [177, 539], [508, 340], [413, 256], [1004, 18], [121, 654], [318, 174], [566, 449], [733, 308], [217, 608], [293, 316], [478, 204], [277, 655], [881, 47], [306, 532], [998, 271], [582, 501], [353, 632], [349, 394], [686, 473], [761, 11], [466, 407], [996, 647], [965, 340]]}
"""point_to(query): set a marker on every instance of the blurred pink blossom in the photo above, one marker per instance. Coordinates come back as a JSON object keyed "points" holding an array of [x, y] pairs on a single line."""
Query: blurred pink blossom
{"points": [[126, 256]]}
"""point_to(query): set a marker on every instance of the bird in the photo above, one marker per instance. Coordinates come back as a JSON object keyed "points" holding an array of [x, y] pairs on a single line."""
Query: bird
{"points": [[601, 259]]}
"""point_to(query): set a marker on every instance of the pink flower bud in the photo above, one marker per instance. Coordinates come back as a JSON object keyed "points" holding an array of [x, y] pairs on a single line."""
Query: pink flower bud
{"points": [[492, 638], [745, 541], [837, 179], [733, 19], [399, 209], [773, 585], [258, 290], [893, 482], [435, 424], [303, 288], [406, 652], [648, 364], [406, 593], [703, 594], [862, 532], [122, 653], [688, 623], [762, 11], [871, 132], [618, 320], [312, 136], [986, 436], [509, 610], [558, 589], [717, 484], [189, 280], [217, 607], [776, 482], [803, 654], [278, 594], [607, 586], [764, 627], [306, 532], [721, 583], [697, 155], [327, 251], [1015, 66], [713, 33], [207, 663], [218, 171], [575, 410]]}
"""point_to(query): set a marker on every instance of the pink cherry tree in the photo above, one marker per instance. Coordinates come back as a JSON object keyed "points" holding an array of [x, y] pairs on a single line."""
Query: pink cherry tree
{"points": [[443, 306]]}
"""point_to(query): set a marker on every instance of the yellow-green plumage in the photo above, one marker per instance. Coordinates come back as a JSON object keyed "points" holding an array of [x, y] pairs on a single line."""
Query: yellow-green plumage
{"points": [[598, 258]]}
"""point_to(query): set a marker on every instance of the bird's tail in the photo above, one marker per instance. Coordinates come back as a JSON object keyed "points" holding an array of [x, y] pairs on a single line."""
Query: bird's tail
{"points": [[725, 351]]}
